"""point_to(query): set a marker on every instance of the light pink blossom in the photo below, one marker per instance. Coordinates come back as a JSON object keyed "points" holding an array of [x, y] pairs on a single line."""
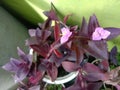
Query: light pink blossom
{"points": [[65, 35], [100, 33]]}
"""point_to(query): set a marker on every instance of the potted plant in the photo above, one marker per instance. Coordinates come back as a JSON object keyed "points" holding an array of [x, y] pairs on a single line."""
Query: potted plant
{"points": [[81, 51]]}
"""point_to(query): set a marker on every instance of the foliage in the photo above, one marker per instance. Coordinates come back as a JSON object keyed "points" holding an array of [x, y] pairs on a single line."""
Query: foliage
{"points": [[71, 49]]}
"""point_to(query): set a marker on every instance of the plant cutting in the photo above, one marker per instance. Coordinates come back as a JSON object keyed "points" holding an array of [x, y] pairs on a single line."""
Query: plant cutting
{"points": [[81, 51]]}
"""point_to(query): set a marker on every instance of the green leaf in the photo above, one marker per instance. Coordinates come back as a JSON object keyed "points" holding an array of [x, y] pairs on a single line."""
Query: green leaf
{"points": [[12, 34], [27, 9], [106, 10], [114, 42]]}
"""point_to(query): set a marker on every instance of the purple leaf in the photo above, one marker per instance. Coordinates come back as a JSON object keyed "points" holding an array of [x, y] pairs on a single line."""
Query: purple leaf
{"points": [[72, 57], [42, 35], [41, 49], [79, 55], [23, 56], [70, 66], [36, 78], [113, 54], [80, 84], [84, 28], [50, 68], [92, 25], [74, 28], [60, 54], [46, 25], [66, 18], [94, 86], [31, 41], [76, 47], [51, 14], [118, 87], [38, 42], [114, 32], [104, 65], [52, 71], [93, 73], [97, 49], [20, 67], [56, 31], [12, 66]]}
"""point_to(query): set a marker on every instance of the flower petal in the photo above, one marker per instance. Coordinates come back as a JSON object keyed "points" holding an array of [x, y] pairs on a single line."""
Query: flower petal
{"points": [[100, 33], [66, 34]]}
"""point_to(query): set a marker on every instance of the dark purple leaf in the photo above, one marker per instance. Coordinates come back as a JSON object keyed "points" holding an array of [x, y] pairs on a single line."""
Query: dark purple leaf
{"points": [[72, 57], [97, 49], [94, 86], [78, 51], [42, 35], [114, 32], [31, 41], [93, 23], [57, 60], [52, 71], [113, 54], [47, 24], [44, 64], [84, 28], [20, 67], [51, 14], [56, 31], [104, 65], [66, 18], [93, 73], [70, 66], [38, 35], [36, 78], [60, 54], [74, 28], [38, 42], [23, 56], [73, 87], [41, 49], [80, 84], [79, 55]]}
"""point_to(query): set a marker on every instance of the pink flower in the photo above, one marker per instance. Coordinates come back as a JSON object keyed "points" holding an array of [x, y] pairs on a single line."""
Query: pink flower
{"points": [[100, 33], [65, 35]]}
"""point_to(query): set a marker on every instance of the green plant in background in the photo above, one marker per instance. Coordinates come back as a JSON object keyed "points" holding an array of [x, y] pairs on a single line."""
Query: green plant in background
{"points": [[54, 87], [106, 11]]}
